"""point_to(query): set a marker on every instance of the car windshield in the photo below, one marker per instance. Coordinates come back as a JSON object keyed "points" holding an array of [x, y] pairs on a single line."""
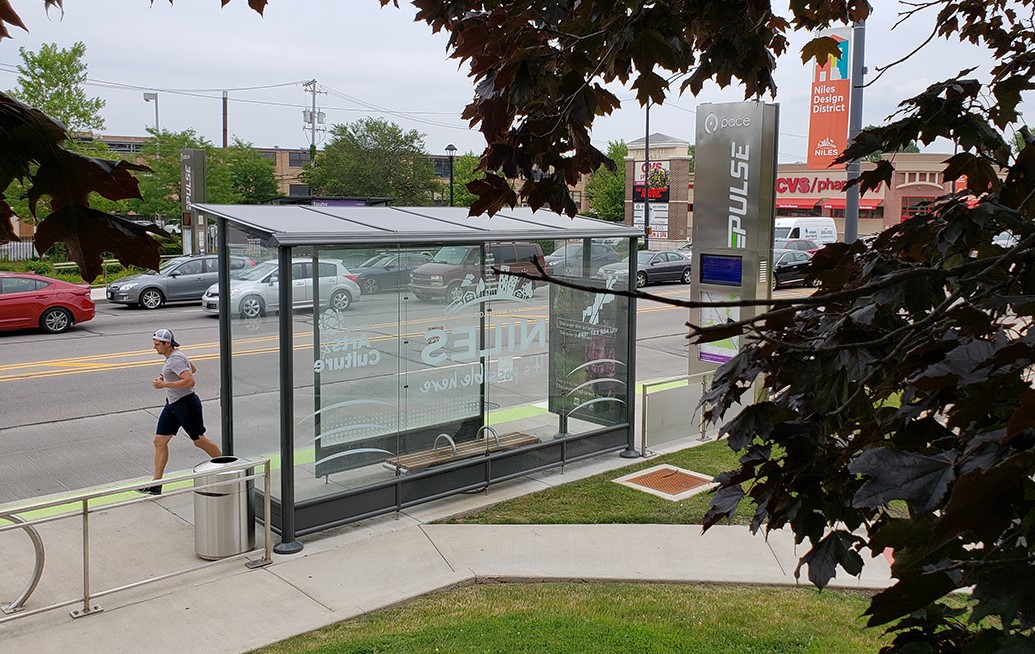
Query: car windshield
{"points": [[258, 272], [643, 256], [573, 250], [782, 232], [166, 267], [452, 254], [378, 261]]}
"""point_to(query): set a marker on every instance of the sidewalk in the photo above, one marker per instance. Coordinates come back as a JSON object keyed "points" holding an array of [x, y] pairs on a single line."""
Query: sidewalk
{"points": [[349, 571]]}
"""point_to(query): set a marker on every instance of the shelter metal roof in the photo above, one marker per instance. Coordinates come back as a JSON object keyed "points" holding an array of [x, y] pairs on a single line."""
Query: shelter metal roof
{"points": [[289, 225]]}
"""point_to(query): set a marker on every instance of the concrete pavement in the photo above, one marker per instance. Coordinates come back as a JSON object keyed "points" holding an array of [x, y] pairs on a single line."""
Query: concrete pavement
{"points": [[349, 571]]}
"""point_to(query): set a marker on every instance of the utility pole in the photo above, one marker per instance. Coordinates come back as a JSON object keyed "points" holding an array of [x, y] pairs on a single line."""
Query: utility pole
{"points": [[855, 103], [226, 113], [311, 117]]}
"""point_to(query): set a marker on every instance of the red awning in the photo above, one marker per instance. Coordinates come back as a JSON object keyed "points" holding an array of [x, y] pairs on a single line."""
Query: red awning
{"points": [[839, 203], [796, 203]]}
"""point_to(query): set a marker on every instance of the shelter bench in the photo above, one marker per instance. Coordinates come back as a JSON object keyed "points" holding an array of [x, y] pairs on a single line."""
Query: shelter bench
{"points": [[445, 450]]}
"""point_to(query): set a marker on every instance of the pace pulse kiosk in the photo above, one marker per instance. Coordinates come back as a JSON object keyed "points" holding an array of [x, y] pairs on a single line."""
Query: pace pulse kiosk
{"points": [[734, 191]]}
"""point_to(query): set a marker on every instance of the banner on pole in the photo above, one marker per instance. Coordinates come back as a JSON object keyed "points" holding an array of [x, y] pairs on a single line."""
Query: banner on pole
{"points": [[828, 105]]}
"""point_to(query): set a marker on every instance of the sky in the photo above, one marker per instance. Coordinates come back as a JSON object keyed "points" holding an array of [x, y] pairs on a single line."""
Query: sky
{"points": [[373, 61]]}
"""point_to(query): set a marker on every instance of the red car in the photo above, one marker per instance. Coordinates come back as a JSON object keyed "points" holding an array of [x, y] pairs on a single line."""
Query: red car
{"points": [[28, 301]]}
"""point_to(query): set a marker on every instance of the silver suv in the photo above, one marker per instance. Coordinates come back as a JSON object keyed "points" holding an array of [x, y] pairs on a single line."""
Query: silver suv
{"points": [[256, 291], [183, 279]]}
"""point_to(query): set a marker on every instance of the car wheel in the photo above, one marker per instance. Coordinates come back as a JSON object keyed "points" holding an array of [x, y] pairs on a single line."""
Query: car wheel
{"points": [[816, 283], [341, 300], [775, 282], [686, 276], [453, 292], [252, 307], [370, 285], [641, 279], [151, 298], [55, 320]]}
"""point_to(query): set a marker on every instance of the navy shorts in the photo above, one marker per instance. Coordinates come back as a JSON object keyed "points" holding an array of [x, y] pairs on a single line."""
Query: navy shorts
{"points": [[184, 412]]}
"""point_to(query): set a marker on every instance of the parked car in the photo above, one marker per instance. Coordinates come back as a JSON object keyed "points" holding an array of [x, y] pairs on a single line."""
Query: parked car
{"points": [[442, 277], [687, 250], [257, 290], [789, 267], [28, 301], [183, 279], [651, 268], [567, 260], [388, 271], [802, 244]]}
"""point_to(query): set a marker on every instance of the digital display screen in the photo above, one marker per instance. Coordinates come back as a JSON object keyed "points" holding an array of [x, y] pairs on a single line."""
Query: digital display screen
{"points": [[722, 269]]}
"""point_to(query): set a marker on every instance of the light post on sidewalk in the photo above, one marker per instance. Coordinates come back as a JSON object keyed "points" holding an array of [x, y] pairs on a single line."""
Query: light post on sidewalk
{"points": [[148, 97], [451, 151]]}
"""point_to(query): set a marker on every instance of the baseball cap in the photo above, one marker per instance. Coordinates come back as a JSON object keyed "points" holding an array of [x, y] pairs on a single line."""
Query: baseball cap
{"points": [[166, 336]]}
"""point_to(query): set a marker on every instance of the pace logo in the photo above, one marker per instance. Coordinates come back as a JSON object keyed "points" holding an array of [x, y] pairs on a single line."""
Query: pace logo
{"points": [[713, 123]]}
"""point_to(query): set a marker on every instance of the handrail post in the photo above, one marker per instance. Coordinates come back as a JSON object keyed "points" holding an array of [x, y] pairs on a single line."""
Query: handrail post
{"points": [[86, 609], [267, 530]]}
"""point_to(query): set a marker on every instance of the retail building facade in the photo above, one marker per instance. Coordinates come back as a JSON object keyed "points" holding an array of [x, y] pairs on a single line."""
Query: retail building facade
{"points": [[917, 179]]}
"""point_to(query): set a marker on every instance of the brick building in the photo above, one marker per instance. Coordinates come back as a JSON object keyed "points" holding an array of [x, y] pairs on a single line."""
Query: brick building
{"points": [[799, 192]]}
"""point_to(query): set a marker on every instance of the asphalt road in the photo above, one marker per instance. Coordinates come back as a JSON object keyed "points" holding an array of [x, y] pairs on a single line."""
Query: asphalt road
{"points": [[78, 408]]}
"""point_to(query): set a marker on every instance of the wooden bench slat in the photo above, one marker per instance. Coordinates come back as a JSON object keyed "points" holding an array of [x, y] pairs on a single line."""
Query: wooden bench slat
{"points": [[464, 450]]}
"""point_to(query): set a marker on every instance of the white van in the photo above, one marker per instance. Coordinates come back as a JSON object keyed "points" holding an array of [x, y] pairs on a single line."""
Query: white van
{"points": [[820, 230]]}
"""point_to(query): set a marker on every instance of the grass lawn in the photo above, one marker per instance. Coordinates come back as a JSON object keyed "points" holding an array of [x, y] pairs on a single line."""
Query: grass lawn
{"points": [[572, 618], [598, 500], [563, 618]]}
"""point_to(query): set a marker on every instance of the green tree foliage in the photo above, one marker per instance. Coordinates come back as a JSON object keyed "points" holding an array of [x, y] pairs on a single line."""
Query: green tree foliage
{"points": [[373, 157], [160, 189], [52, 80], [606, 186], [252, 176], [465, 171]]}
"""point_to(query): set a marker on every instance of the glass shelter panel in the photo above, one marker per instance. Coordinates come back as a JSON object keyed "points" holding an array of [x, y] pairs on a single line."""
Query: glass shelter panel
{"points": [[254, 345], [347, 393], [588, 371]]}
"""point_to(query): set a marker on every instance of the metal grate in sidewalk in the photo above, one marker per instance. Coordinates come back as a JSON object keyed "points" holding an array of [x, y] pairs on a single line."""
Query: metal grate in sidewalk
{"points": [[668, 482]]}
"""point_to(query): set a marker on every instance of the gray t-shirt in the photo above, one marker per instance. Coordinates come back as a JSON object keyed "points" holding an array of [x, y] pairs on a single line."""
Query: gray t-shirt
{"points": [[173, 367]]}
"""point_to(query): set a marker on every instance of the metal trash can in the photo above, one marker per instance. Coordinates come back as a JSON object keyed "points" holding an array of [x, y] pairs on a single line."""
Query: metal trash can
{"points": [[224, 517]]}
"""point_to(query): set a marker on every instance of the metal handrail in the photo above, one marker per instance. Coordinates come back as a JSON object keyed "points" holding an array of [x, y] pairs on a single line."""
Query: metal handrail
{"points": [[37, 572], [495, 434], [88, 607]]}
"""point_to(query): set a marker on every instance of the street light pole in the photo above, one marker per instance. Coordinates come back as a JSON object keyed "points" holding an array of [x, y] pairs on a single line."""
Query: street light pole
{"points": [[646, 177], [451, 151], [148, 97]]}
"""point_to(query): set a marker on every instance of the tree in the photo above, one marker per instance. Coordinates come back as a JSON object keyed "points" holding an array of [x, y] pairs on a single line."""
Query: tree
{"points": [[877, 156], [464, 172], [52, 80], [252, 176], [899, 410], [373, 157], [160, 189], [606, 187]]}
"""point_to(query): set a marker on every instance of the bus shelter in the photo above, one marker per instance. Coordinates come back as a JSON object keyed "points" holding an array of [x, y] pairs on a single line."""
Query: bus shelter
{"points": [[375, 396]]}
